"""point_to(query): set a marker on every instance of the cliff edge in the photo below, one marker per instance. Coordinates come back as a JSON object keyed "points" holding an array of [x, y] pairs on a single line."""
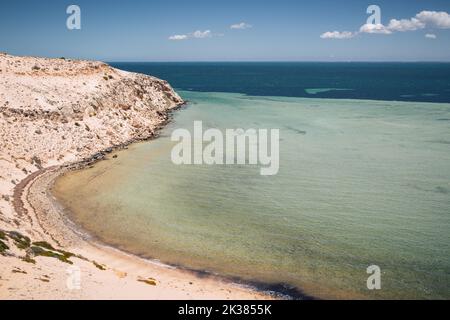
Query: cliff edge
{"points": [[55, 111]]}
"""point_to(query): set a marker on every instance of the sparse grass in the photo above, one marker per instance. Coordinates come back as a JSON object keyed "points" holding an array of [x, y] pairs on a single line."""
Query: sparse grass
{"points": [[39, 248], [99, 266], [79, 256], [28, 259], [21, 241], [38, 251], [44, 244], [66, 254], [3, 247], [48, 246]]}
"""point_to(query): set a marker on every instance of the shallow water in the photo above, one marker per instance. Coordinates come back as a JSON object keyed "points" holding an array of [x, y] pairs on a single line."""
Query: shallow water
{"points": [[360, 183]]}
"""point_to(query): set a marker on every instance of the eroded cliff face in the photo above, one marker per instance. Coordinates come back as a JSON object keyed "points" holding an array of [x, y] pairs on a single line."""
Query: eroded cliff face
{"points": [[55, 111]]}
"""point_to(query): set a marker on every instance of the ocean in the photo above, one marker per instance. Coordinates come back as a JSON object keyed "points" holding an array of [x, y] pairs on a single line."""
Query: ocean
{"points": [[416, 82], [364, 180]]}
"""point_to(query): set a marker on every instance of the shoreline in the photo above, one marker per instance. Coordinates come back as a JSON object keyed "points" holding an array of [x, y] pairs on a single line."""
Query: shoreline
{"points": [[34, 200], [267, 290], [56, 115]]}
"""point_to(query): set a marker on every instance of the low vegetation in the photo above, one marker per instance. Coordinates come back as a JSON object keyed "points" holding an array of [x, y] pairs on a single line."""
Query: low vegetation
{"points": [[21, 241], [99, 266], [35, 249], [3, 247]]}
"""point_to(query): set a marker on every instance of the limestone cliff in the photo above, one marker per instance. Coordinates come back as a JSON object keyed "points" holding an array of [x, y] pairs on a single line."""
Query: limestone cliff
{"points": [[55, 111]]}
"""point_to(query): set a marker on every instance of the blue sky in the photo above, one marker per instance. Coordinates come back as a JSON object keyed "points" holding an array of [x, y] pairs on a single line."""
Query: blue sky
{"points": [[282, 30]]}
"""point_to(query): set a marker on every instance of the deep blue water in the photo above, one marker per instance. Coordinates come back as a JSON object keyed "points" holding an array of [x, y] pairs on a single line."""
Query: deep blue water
{"points": [[426, 82]]}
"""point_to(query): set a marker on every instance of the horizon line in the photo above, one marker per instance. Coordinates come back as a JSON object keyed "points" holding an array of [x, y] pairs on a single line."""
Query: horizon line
{"points": [[223, 61], [274, 61]]}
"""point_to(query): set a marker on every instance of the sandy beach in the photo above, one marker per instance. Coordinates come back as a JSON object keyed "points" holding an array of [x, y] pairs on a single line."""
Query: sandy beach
{"points": [[59, 115]]}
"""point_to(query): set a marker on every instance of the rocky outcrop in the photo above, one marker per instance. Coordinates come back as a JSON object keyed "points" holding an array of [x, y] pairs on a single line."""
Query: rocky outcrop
{"points": [[55, 111]]}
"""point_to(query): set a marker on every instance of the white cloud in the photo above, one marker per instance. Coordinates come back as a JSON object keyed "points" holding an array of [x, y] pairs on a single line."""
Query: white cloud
{"points": [[178, 37], [422, 20], [430, 36], [241, 26], [337, 35], [196, 34], [403, 25], [435, 19], [202, 34], [374, 28]]}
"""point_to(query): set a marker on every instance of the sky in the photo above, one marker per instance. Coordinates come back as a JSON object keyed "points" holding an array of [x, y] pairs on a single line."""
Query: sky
{"points": [[218, 30]]}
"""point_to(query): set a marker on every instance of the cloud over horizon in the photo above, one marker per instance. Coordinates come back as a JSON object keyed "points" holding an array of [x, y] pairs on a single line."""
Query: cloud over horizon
{"points": [[422, 20], [337, 35], [178, 37], [196, 34], [241, 26], [199, 34]]}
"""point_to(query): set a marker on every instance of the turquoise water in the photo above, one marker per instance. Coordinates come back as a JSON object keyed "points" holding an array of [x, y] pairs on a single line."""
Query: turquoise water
{"points": [[360, 183]]}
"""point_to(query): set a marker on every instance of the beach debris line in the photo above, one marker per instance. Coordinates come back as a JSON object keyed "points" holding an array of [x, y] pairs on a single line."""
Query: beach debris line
{"points": [[120, 274], [149, 281]]}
